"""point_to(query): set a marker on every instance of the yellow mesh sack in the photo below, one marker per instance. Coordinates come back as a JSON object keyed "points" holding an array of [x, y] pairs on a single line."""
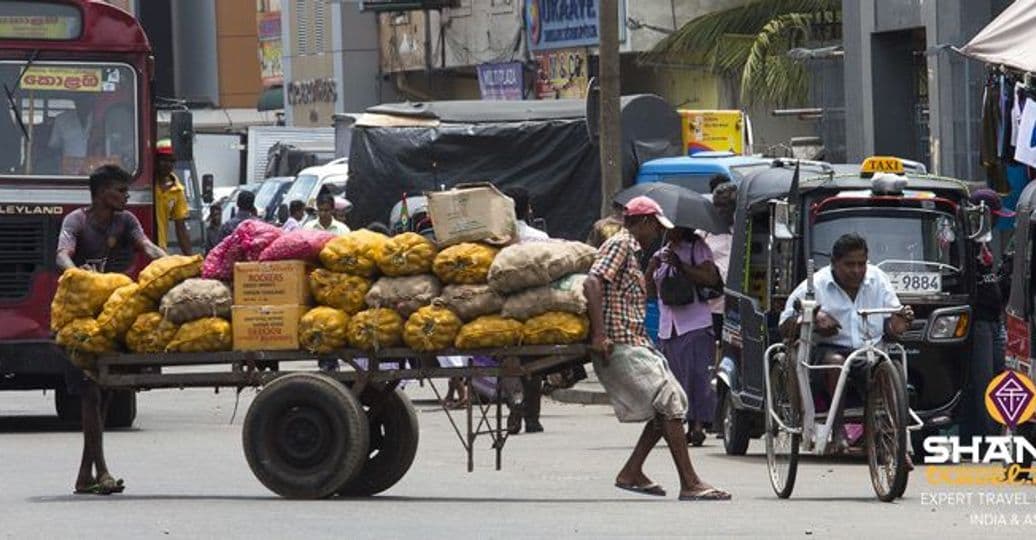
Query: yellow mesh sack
{"points": [[323, 329], [488, 332], [407, 254], [339, 290], [82, 294], [150, 333], [431, 328], [464, 264], [85, 336], [376, 329], [354, 253], [167, 272], [210, 334], [555, 328], [122, 309]]}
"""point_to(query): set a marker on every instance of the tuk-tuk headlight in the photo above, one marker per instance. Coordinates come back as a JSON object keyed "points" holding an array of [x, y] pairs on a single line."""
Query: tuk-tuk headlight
{"points": [[948, 324]]}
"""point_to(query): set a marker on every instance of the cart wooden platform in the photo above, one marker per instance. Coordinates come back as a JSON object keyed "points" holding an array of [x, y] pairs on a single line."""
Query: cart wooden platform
{"points": [[313, 433]]}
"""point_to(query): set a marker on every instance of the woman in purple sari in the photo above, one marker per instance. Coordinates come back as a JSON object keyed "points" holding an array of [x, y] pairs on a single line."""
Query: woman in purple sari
{"points": [[685, 326]]}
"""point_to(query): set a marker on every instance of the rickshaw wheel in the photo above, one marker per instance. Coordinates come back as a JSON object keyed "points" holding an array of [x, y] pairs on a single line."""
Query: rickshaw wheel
{"points": [[885, 431], [782, 448]]}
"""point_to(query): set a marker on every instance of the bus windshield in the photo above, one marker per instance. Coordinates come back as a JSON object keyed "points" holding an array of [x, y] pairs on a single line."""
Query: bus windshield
{"points": [[67, 118]]}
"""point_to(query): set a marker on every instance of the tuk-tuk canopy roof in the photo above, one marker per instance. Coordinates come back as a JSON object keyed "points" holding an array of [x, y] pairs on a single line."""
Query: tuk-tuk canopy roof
{"points": [[699, 164], [775, 182]]}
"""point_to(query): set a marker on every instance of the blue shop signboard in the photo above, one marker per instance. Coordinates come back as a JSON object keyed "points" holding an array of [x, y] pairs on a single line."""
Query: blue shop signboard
{"points": [[557, 24]]}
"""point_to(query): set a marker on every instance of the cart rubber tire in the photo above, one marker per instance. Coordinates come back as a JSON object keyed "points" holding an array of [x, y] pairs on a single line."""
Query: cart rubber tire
{"points": [[894, 377], [394, 436], [122, 410], [305, 435], [736, 427]]}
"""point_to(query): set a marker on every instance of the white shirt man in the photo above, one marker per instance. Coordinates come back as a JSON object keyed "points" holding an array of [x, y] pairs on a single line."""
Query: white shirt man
{"points": [[875, 292]]}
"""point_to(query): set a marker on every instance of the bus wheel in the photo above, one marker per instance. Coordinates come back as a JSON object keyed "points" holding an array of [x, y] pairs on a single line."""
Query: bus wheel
{"points": [[393, 443], [305, 435]]}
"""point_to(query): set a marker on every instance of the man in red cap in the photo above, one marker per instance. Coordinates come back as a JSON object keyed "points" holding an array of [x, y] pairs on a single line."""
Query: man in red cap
{"points": [[635, 375], [170, 200], [987, 330]]}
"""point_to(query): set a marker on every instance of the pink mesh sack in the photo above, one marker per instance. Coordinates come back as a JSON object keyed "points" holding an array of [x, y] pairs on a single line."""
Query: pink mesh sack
{"points": [[300, 244]]}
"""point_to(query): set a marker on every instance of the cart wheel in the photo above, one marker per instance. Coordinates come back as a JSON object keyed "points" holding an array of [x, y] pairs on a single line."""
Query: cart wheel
{"points": [[305, 435], [736, 424], [393, 445], [885, 430], [782, 447]]}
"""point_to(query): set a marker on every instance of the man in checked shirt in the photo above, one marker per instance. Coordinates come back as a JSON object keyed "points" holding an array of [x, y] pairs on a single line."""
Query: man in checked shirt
{"points": [[635, 375]]}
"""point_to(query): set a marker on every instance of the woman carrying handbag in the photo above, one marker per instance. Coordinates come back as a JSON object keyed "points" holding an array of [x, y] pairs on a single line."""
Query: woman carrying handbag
{"points": [[684, 278]]}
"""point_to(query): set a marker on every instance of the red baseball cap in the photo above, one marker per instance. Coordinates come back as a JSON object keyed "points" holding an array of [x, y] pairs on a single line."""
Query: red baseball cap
{"points": [[164, 147], [645, 206], [993, 201]]}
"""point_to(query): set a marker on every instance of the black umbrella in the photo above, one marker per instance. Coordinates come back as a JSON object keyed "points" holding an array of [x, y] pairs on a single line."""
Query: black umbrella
{"points": [[684, 207]]}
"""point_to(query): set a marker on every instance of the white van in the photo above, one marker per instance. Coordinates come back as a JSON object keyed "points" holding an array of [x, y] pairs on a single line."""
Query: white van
{"points": [[307, 184]]}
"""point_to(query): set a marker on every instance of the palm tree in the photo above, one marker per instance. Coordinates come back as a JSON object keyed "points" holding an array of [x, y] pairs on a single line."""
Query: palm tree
{"points": [[750, 42]]}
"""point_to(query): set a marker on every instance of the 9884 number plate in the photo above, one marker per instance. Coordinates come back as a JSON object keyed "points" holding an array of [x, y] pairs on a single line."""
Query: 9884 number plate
{"points": [[916, 282]]}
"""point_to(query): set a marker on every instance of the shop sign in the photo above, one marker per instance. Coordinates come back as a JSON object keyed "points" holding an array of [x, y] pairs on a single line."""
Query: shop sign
{"points": [[562, 74], [556, 24], [501, 81]]}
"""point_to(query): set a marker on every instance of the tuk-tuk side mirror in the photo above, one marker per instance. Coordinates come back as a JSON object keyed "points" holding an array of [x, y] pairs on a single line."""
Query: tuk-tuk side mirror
{"points": [[979, 220], [207, 188], [780, 220]]}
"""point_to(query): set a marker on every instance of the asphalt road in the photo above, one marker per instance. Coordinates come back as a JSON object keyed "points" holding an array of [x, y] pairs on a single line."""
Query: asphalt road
{"points": [[187, 477]]}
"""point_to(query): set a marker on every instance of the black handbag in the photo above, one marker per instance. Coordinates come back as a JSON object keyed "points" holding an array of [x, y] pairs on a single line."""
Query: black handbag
{"points": [[676, 288]]}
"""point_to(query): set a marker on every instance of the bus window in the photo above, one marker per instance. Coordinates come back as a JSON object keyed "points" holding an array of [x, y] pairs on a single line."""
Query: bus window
{"points": [[75, 118]]}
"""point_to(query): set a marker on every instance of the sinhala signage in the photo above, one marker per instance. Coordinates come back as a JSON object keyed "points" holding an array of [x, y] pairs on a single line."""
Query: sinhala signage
{"points": [[557, 24]]}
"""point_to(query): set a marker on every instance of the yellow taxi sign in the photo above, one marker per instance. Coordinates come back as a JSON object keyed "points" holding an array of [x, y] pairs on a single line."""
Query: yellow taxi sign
{"points": [[882, 164]]}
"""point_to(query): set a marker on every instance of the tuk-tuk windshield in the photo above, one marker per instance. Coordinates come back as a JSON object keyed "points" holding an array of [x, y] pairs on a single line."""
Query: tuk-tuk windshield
{"points": [[920, 249]]}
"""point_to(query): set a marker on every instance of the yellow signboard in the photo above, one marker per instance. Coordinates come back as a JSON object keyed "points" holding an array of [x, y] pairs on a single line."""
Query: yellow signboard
{"points": [[713, 131], [67, 79], [38, 27], [884, 164]]}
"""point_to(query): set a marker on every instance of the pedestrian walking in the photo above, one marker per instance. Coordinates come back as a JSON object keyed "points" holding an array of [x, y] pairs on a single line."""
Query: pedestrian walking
{"points": [[636, 376], [679, 275], [296, 213], [170, 200]]}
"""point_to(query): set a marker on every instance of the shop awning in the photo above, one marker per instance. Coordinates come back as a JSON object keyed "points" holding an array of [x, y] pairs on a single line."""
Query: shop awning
{"points": [[1009, 40], [272, 99]]}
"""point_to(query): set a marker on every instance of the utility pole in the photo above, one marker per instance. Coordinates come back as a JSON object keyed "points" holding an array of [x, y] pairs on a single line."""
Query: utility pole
{"points": [[610, 111]]}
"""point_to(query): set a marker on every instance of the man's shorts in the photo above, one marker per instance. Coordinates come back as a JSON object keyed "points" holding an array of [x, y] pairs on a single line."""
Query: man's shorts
{"points": [[856, 384], [640, 385]]}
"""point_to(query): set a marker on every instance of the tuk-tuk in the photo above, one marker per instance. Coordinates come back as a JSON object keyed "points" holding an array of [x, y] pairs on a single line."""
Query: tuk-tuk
{"points": [[1020, 305], [919, 229]]}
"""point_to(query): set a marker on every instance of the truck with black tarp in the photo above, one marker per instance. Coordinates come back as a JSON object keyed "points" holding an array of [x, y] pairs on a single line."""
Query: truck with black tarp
{"points": [[405, 149]]}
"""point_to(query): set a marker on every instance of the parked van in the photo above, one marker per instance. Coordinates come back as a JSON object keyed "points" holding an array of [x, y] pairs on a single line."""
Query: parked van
{"points": [[307, 184]]}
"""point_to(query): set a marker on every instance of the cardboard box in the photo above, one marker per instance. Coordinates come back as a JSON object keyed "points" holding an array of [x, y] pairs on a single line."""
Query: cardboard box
{"points": [[472, 213], [266, 328], [274, 283]]}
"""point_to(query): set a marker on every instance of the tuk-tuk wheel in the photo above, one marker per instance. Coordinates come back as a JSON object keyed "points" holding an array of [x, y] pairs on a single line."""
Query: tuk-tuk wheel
{"points": [[393, 443], [736, 425], [305, 435]]}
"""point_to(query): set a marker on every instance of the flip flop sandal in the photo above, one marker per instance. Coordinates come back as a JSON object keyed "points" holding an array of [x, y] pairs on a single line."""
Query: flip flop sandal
{"points": [[696, 438], [92, 489], [650, 489], [111, 485], [711, 494]]}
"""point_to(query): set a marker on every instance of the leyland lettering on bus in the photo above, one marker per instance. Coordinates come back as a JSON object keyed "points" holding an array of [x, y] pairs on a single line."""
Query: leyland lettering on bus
{"points": [[31, 209]]}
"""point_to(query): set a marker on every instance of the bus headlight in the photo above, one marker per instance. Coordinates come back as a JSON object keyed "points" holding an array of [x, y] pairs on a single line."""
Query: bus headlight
{"points": [[948, 325]]}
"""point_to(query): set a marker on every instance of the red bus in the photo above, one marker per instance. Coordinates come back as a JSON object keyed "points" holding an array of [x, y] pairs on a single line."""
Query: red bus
{"points": [[76, 79]]}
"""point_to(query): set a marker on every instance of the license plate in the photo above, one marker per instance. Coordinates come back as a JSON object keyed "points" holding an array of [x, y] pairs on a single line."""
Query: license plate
{"points": [[916, 282]]}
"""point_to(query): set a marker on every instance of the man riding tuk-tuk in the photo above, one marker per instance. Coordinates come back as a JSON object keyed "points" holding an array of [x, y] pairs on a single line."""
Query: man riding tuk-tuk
{"points": [[922, 232]]}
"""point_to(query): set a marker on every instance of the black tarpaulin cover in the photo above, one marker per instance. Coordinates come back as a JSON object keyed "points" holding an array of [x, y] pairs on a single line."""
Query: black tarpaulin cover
{"points": [[547, 153]]}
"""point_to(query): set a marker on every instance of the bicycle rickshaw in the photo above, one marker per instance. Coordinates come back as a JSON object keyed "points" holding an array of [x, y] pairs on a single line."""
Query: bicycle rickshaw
{"points": [[921, 231], [792, 420]]}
